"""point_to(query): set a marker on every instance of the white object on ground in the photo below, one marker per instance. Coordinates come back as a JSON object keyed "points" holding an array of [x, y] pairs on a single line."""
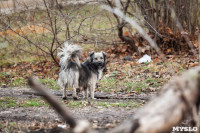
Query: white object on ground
{"points": [[144, 59], [62, 126]]}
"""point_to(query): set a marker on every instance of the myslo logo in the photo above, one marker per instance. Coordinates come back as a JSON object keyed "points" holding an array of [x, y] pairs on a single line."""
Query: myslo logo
{"points": [[184, 129]]}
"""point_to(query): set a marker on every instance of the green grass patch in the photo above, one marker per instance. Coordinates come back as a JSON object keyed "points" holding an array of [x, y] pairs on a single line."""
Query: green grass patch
{"points": [[8, 102], [138, 77], [15, 80], [18, 82], [50, 82], [77, 103], [103, 104], [137, 86], [125, 104], [155, 82], [111, 83], [11, 79], [107, 84], [11, 123], [34, 103]]}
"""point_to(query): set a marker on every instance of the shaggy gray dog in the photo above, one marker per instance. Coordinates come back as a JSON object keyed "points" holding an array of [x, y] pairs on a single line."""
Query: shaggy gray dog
{"points": [[74, 74]]}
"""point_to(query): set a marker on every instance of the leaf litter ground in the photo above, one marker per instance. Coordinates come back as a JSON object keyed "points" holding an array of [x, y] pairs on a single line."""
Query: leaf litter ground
{"points": [[125, 87]]}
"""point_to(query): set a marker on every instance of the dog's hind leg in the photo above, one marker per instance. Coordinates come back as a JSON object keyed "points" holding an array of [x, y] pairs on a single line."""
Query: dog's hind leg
{"points": [[74, 95], [75, 85], [63, 86], [85, 93]]}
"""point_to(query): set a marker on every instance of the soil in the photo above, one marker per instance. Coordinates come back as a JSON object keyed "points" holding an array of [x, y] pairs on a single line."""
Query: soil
{"points": [[40, 118]]}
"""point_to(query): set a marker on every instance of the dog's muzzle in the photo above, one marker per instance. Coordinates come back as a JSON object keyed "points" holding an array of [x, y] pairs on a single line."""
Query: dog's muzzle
{"points": [[100, 63]]}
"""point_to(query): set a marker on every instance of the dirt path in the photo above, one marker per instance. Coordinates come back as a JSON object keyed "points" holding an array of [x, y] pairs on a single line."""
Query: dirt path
{"points": [[96, 111]]}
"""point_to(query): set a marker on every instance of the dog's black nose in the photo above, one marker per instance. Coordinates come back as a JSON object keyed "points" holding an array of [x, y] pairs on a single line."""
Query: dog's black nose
{"points": [[99, 63]]}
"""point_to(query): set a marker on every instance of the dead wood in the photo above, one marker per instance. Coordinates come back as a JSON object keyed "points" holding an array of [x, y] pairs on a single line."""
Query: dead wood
{"points": [[178, 99]]}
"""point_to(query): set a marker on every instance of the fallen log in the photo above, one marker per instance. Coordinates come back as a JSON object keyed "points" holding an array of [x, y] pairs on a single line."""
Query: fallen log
{"points": [[178, 99]]}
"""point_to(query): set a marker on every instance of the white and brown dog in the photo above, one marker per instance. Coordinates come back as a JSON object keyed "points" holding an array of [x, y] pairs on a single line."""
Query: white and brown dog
{"points": [[80, 75]]}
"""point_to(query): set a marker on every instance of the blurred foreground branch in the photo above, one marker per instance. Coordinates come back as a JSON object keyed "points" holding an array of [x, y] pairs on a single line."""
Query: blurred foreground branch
{"points": [[178, 99], [78, 127]]}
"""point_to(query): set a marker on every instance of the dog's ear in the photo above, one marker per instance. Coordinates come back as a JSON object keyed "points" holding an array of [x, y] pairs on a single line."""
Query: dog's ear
{"points": [[91, 56], [104, 55]]}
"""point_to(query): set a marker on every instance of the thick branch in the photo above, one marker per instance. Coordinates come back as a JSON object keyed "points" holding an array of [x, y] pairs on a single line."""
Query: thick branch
{"points": [[178, 99], [116, 17], [126, 39], [52, 100]]}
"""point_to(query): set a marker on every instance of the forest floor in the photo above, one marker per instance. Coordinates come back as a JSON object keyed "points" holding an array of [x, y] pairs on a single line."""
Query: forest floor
{"points": [[125, 87], [25, 111]]}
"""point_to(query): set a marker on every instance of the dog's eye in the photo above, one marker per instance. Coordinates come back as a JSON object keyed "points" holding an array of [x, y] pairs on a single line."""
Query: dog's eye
{"points": [[95, 58], [101, 57]]}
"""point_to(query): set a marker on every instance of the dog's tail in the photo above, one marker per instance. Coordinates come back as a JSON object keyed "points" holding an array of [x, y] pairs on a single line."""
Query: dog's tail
{"points": [[68, 53]]}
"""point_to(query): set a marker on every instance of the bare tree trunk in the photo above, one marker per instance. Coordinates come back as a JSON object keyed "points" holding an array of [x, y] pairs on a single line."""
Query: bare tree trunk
{"points": [[121, 25], [147, 12]]}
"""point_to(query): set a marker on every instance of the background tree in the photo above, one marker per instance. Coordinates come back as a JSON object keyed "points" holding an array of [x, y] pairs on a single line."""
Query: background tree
{"points": [[155, 17], [40, 27]]}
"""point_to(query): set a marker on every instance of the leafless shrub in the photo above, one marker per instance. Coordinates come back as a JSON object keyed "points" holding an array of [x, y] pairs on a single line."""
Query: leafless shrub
{"points": [[42, 29]]}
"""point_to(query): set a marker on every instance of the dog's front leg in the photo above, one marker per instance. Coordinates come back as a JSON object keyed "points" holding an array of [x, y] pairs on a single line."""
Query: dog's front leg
{"points": [[92, 89]]}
